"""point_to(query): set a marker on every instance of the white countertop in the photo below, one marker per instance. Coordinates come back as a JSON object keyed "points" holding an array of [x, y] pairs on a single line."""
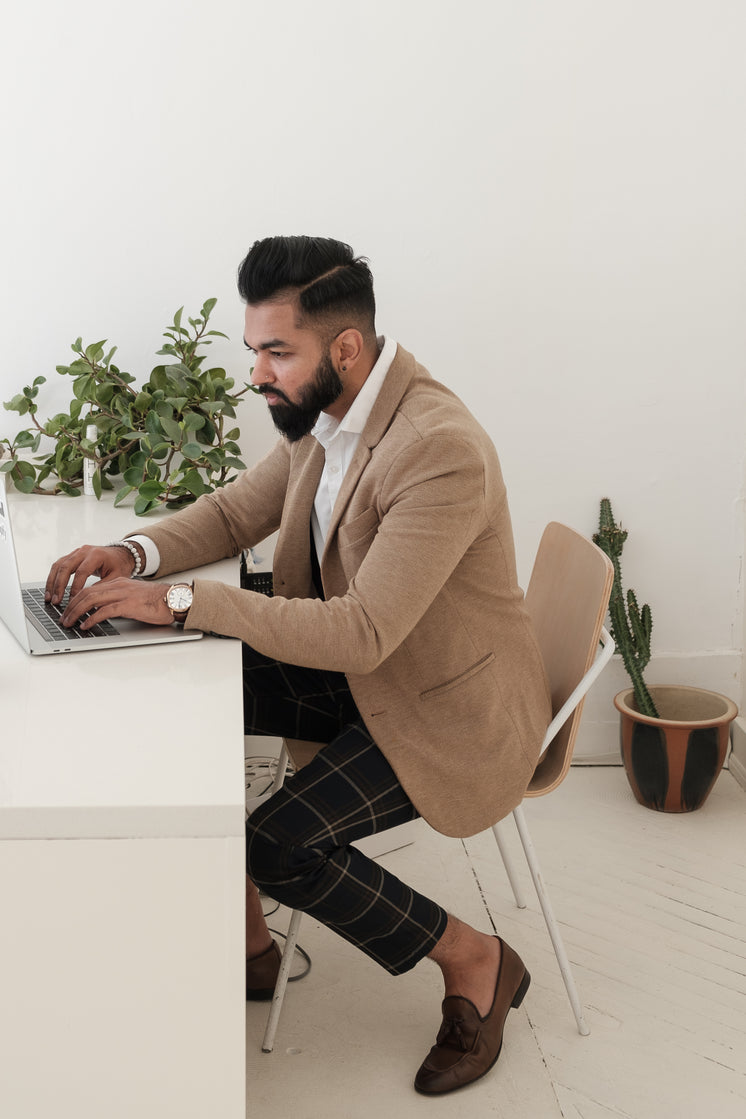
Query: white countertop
{"points": [[145, 741]]}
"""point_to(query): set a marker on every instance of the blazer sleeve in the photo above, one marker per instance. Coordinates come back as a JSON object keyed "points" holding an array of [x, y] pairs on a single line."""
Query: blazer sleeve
{"points": [[222, 523]]}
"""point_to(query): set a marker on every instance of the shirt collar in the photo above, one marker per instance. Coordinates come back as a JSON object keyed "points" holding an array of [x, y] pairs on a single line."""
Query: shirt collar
{"points": [[356, 416]]}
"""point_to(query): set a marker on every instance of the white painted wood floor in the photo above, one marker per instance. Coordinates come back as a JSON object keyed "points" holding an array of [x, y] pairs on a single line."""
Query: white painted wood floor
{"points": [[653, 911]]}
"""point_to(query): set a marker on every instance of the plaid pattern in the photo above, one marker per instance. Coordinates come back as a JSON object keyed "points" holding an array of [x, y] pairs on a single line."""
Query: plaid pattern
{"points": [[298, 843]]}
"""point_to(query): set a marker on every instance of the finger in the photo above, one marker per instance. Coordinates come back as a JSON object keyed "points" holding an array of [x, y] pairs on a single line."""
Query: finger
{"points": [[59, 576], [89, 565], [100, 595], [83, 562]]}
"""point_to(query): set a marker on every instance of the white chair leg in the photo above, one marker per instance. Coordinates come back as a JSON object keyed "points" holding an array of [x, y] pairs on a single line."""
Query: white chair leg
{"points": [[282, 765], [552, 926], [282, 981], [509, 866]]}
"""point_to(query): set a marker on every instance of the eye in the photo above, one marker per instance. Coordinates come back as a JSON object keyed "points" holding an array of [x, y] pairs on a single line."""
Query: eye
{"points": [[279, 353]]}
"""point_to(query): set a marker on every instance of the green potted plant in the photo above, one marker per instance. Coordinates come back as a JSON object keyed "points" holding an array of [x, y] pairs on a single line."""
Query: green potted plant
{"points": [[674, 738], [166, 441]]}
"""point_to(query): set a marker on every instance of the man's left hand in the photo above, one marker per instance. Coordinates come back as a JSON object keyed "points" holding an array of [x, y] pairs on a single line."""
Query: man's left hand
{"points": [[120, 598]]}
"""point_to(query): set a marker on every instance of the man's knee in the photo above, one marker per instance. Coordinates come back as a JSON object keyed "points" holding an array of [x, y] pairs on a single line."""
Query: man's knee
{"points": [[272, 860]]}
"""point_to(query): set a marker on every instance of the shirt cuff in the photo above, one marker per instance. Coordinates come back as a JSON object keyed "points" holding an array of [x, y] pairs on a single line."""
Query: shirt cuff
{"points": [[152, 555]]}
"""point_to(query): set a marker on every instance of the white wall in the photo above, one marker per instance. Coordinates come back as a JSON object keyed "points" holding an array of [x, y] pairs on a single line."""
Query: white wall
{"points": [[550, 193]]}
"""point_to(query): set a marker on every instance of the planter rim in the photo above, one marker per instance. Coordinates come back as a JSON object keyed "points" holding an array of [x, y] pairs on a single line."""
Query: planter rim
{"points": [[624, 707]]}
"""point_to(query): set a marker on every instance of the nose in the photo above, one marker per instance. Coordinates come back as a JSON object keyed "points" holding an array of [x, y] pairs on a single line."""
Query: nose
{"points": [[261, 373]]}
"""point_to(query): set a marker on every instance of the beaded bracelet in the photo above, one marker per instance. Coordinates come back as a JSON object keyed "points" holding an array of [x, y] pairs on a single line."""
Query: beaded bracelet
{"points": [[130, 547]]}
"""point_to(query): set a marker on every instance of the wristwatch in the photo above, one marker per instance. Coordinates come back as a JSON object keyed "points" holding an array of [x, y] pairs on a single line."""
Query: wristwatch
{"points": [[178, 599]]}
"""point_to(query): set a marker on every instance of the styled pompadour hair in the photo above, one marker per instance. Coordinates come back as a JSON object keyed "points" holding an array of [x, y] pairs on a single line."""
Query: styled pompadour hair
{"points": [[333, 286]]}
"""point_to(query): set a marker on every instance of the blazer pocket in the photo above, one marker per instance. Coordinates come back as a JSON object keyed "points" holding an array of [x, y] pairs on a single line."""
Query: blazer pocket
{"points": [[432, 693], [359, 529]]}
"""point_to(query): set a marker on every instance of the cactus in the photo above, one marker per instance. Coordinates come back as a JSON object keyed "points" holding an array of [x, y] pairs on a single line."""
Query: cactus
{"points": [[631, 625]]}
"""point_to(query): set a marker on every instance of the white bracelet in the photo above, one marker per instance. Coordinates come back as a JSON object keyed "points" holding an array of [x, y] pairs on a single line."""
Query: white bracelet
{"points": [[130, 547]]}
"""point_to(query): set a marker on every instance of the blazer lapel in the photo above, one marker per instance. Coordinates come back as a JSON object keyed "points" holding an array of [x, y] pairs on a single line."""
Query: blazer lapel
{"points": [[402, 370], [293, 554]]}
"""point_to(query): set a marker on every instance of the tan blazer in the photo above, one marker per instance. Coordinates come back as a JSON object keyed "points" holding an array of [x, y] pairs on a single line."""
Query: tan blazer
{"points": [[422, 607]]}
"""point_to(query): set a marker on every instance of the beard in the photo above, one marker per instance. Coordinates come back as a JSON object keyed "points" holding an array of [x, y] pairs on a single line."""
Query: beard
{"points": [[296, 420]]}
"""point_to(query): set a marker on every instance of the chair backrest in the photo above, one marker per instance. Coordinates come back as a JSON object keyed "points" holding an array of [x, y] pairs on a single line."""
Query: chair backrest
{"points": [[567, 598]]}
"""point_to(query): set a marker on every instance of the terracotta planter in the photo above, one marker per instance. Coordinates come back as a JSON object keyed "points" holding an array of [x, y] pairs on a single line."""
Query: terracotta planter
{"points": [[673, 762]]}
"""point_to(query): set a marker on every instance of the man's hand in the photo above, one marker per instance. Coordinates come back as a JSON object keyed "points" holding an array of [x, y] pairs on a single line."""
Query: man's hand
{"points": [[107, 563], [119, 598]]}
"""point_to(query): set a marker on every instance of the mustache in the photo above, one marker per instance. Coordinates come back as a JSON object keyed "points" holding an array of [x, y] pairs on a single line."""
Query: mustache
{"points": [[264, 389]]}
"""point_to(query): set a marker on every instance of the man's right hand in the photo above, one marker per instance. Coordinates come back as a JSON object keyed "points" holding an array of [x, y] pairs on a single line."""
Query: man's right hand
{"points": [[104, 562]]}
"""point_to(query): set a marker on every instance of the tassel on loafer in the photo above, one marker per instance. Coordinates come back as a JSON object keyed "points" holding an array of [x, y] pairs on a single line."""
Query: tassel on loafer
{"points": [[468, 1045]]}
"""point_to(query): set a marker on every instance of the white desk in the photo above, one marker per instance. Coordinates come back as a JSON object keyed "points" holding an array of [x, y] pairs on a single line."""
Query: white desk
{"points": [[121, 864]]}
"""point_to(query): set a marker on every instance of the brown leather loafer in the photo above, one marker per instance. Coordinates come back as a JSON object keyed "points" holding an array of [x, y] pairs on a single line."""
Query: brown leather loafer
{"points": [[261, 973], [468, 1045]]}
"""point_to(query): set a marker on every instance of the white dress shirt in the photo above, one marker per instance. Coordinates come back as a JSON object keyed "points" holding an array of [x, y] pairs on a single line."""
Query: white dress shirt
{"points": [[339, 438]]}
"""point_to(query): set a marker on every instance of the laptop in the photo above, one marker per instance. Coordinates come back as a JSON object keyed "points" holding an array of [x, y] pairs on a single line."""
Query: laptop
{"points": [[34, 622]]}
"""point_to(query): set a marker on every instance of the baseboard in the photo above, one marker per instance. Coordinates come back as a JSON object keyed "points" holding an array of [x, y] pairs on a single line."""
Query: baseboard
{"points": [[737, 760]]}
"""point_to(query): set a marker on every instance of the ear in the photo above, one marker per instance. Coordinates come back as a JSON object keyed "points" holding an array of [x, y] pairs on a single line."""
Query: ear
{"points": [[347, 348]]}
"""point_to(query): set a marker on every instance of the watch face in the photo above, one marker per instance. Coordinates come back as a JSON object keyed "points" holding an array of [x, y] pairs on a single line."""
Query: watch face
{"points": [[179, 597]]}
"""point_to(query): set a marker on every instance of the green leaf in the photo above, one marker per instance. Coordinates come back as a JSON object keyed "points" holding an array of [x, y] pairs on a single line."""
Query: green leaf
{"points": [[95, 351], [153, 424], [81, 386], [97, 484], [158, 377], [143, 505], [151, 488], [23, 484], [133, 476], [172, 429], [23, 470], [19, 403], [191, 450], [194, 483], [125, 490], [193, 421]]}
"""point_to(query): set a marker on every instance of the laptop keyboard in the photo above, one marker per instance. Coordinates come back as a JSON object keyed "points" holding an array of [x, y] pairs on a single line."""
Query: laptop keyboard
{"points": [[47, 617]]}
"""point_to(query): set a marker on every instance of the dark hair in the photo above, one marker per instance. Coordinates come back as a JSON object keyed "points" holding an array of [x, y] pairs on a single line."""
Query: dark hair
{"points": [[330, 282]]}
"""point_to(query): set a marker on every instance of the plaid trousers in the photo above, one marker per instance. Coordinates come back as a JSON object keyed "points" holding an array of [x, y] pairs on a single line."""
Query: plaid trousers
{"points": [[298, 842]]}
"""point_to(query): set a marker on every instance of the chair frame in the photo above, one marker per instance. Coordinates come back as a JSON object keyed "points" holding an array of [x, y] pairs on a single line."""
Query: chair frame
{"points": [[577, 696]]}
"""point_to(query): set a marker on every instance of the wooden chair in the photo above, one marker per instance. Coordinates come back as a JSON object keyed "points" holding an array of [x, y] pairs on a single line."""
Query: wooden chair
{"points": [[567, 598]]}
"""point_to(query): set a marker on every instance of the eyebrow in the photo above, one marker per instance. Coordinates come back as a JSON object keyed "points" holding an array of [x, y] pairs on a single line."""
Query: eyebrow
{"points": [[266, 345]]}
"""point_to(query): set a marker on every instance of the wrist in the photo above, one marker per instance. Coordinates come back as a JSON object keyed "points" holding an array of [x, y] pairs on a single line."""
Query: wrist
{"points": [[136, 552]]}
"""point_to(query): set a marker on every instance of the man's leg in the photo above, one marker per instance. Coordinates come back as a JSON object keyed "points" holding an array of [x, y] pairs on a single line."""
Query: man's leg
{"points": [[283, 700], [299, 851], [298, 848]]}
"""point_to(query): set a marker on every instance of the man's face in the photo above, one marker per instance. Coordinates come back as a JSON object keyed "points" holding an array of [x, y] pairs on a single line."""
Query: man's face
{"points": [[293, 371]]}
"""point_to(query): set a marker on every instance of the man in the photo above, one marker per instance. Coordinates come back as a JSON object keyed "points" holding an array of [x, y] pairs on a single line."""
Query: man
{"points": [[397, 636]]}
